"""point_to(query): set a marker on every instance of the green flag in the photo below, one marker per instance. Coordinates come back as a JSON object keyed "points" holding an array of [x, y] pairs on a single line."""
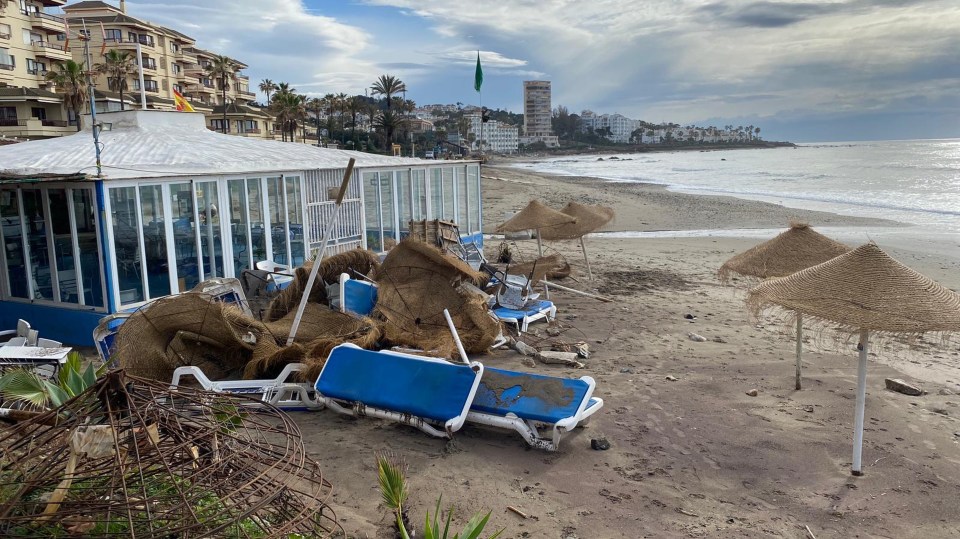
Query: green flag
{"points": [[478, 78]]}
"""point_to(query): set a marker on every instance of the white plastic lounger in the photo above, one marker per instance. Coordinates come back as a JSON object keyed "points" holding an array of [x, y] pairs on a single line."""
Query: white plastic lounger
{"points": [[533, 311], [278, 391], [431, 394], [528, 402]]}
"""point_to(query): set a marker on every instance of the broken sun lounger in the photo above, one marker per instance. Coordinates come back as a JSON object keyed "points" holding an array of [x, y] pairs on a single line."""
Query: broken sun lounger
{"points": [[533, 311], [431, 394], [278, 391], [528, 402]]}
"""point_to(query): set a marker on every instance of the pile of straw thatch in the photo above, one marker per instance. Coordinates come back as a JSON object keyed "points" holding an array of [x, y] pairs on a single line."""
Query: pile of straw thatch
{"points": [[416, 282]]}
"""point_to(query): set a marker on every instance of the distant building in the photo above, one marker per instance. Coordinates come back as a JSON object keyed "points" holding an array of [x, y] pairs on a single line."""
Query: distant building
{"points": [[620, 127], [30, 43], [419, 125], [497, 137], [537, 114]]}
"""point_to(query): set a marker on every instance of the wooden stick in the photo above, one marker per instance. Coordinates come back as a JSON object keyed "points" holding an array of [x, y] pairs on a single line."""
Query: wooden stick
{"points": [[517, 511], [587, 294], [810, 533]]}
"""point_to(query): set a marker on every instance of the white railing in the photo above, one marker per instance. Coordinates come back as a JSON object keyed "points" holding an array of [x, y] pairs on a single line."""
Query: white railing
{"points": [[320, 191]]}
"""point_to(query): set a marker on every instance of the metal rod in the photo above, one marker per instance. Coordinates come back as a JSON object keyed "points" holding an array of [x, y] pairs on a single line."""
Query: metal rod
{"points": [[456, 337], [799, 345], [861, 402], [587, 294], [91, 90], [323, 247]]}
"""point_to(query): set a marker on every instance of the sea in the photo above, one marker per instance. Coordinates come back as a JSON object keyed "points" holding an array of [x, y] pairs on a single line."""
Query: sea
{"points": [[912, 181]]}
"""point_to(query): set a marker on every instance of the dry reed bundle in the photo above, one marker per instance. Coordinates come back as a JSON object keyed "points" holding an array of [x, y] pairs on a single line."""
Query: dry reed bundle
{"points": [[797, 248]]}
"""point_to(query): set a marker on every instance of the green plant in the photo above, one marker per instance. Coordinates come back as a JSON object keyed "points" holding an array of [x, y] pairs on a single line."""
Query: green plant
{"points": [[28, 386], [393, 489]]}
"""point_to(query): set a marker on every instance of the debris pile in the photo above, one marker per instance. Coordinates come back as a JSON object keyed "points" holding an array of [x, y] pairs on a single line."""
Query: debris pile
{"points": [[130, 457]]}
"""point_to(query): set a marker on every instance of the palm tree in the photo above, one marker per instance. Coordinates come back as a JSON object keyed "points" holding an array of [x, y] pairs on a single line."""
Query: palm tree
{"points": [[329, 104], [355, 106], [757, 131], [267, 86], [70, 80], [315, 105], [289, 109], [224, 70], [388, 86], [342, 99], [117, 66]]}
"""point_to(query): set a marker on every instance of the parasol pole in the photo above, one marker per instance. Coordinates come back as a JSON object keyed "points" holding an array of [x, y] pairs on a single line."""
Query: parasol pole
{"points": [[799, 345], [327, 231], [861, 400], [585, 259], [546, 288], [456, 337]]}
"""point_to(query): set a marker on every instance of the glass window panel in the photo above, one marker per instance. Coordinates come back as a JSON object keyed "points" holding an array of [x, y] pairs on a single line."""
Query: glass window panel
{"points": [[211, 247], [255, 208], [403, 202], [239, 227], [85, 216], [37, 237], [386, 209], [473, 184], [419, 195], [371, 208], [63, 245], [295, 220], [126, 243], [278, 220], [155, 241], [13, 243], [184, 236], [448, 194], [436, 194], [463, 219]]}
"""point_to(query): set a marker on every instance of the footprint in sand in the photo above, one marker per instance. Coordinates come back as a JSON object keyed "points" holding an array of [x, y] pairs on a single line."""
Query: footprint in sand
{"points": [[679, 433], [914, 428], [712, 463], [930, 445]]}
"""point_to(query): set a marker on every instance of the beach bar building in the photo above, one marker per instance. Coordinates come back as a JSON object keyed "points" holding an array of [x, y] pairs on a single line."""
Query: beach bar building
{"points": [[176, 203]]}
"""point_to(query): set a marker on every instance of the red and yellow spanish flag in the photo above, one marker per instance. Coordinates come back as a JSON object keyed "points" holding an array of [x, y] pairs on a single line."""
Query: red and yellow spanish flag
{"points": [[182, 104]]}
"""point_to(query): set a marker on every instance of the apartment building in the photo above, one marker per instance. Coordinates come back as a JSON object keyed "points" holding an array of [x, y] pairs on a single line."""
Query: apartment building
{"points": [[620, 127], [171, 61], [537, 113], [31, 41], [497, 137]]}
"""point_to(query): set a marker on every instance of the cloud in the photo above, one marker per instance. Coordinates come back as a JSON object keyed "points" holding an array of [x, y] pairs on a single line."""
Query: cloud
{"points": [[487, 58], [767, 14]]}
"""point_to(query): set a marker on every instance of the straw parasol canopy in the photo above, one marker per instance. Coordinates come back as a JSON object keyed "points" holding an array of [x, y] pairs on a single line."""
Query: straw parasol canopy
{"points": [[534, 216], [589, 219], [865, 289], [793, 250], [868, 290]]}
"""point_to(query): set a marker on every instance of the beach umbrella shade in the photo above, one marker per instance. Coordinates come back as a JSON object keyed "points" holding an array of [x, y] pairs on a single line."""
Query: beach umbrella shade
{"points": [[863, 290], [536, 216], [798, 248], [589, 219]]}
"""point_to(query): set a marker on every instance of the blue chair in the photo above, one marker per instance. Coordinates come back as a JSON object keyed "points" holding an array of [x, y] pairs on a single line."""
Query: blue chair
{"points": [[522, 318], [431, 394], [528, 402], [357, 297]]}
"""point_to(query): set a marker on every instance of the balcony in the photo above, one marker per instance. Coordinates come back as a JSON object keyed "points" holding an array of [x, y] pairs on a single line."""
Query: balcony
{"points": [[48, 22], [192, 69], [4, 35], [41, 74], [149, 64], [50, 50], [249, 132], [35, 128]]}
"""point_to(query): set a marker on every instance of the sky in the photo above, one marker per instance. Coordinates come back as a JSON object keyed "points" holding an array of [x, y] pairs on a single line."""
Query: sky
{"points": [[814, 70]]}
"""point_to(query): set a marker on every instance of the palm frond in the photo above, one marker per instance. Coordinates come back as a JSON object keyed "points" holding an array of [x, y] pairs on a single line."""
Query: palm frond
{"points": [[24, 386], [393, 487]]}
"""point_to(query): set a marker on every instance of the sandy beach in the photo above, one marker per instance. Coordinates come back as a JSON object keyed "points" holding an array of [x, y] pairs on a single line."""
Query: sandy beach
{"points": [[695, 456]]}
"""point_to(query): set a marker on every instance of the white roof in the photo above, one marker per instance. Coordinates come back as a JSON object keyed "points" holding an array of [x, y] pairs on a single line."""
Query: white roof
{"points": [[152, 143]]}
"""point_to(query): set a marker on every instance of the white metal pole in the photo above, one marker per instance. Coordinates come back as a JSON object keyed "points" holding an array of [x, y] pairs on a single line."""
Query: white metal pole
{"points": [[327, 230], [546, 289], [456, 337], [586, 259], [799, 345], [143, 93], [861, 400]]}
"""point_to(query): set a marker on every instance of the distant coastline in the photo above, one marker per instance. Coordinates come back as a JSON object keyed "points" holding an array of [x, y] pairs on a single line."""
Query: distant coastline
{"points": [[646, 148]]}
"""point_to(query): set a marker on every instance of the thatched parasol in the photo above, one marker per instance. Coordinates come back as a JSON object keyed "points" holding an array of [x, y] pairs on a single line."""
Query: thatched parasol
{"points": [[536, 216], [800, 247], [864, 289], [589, 219]]}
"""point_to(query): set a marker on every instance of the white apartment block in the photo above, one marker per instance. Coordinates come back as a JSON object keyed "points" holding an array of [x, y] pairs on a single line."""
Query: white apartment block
{"points": [[497, 137], [621, 127]]}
